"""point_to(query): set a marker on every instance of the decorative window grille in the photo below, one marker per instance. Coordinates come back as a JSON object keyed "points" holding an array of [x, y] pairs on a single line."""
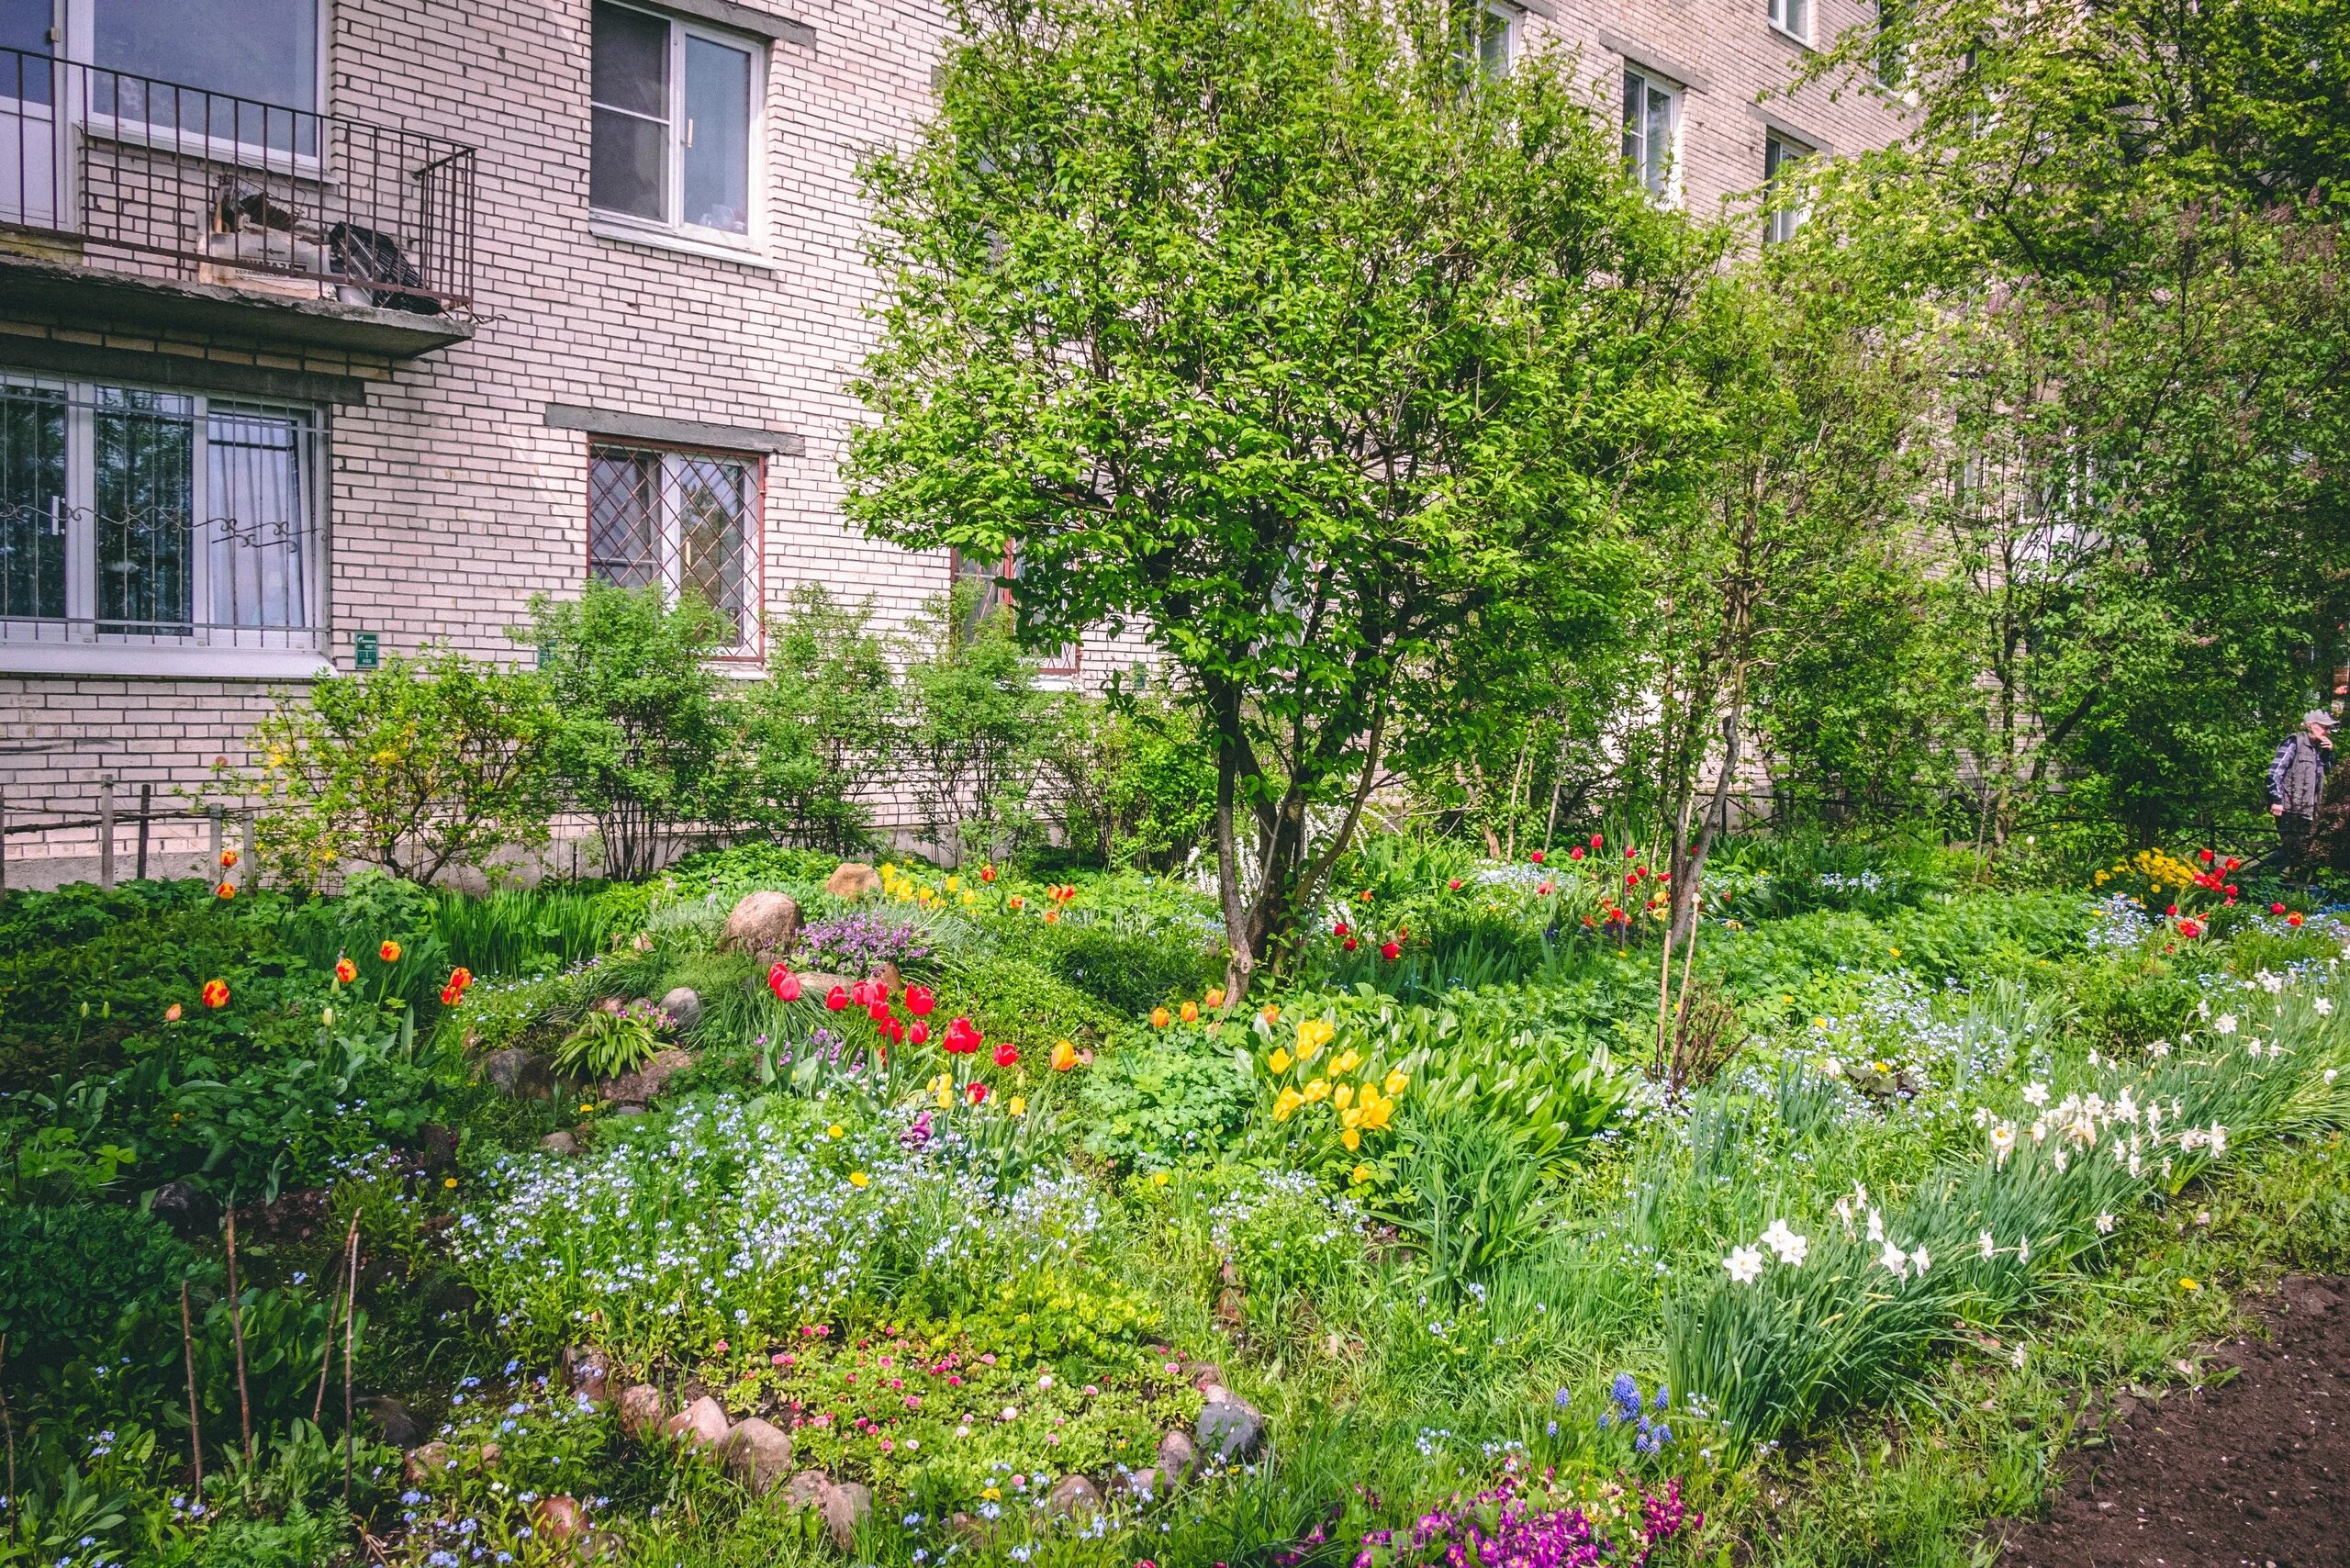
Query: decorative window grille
{"points": [[685, 521], [134, 516]]}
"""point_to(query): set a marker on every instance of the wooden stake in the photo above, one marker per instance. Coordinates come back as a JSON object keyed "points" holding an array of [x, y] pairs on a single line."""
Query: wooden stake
{"points": [[237, 1329], [350, 1313], [195, 1428], [8, 1422], [325, 1354]]}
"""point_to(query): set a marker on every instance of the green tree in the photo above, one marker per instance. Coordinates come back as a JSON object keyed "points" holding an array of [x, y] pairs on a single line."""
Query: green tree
{"points": [[646, 733], [425, 764], [1276, 329]]}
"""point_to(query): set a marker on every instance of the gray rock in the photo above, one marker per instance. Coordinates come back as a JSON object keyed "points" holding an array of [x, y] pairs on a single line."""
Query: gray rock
{"points": [[1142, 1486], [425, 1464], [1073, 1497], [853, 880], [846, 1508], [588, 1371], [642, 1411], [806, 1489], [394, 1420], [518, 1074], [684, 1007], [757, 1453], [1229, 1426], [1204, 1375], [560, 1143], [186, 1207], [1177, 1459], [701, 1425], [762, 924], [642, 1086], [436, 1148]]}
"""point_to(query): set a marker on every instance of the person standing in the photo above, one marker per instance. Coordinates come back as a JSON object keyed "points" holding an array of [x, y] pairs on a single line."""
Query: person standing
{"points": [[2296, 783]]}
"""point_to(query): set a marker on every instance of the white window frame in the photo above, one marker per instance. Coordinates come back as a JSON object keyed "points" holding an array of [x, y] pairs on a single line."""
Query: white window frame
{"points": [[1512, 22], [668, 540], [1793, 18], [1782, 151], [1668, 192], [78, 22], [674, 232], [77, 645]]}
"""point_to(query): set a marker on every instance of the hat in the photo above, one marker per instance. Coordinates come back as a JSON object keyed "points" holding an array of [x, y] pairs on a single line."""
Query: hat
{"points": [[2319, 716]]}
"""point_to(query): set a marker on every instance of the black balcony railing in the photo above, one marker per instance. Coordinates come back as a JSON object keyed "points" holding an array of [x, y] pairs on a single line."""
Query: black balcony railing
{"points": [[214, 189]]}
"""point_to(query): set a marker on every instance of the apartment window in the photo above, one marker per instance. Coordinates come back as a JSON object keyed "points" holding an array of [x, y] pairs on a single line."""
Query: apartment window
{"points": [[1780, 156], [1652, 130], [135, 516], [1892, 52], [1484, 38], [673, 108], [242, 71], [683, 521], [1791, 18], [982, 579]]}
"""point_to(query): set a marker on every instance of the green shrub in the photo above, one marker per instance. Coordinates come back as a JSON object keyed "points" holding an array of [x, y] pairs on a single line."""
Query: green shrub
{"points": [[1130, 971], [1020, 1001], [421, 767], [68, 1275], [1132, 782], [2130, 1001]]}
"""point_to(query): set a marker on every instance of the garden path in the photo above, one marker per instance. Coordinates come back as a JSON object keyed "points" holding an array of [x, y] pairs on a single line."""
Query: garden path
{"points": [[2252, 1471]]}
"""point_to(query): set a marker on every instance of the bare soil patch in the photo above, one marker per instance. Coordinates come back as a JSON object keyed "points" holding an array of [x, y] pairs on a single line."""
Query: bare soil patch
{"points": [[2252, 1471]]}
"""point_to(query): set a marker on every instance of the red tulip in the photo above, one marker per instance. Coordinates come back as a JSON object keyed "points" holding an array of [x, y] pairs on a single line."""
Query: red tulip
{"points": [[784, 983], [2276, 909], [1007, 1055], [919, 1033], [919, 1001], [2231, 889], [1545, 890], [1390, 951], [2233, 863], [1349, 944], [2205, 856], [879, 1012], [1537, 857], [977, 1091], [1577, 853], [987, 873], [861, 993], [2294, 919], [894, 1030], [962, 1039], [1454, 885], [2188, 928], [837, 999], [2170, 910], [1598, 839], [1340, 929]]}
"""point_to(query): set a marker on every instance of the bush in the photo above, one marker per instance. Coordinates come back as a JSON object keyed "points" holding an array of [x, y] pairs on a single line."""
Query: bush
{"points": [[818, 731], [420, 766], [973, 717], [1132, 782], [68, 1275], [644, 728], [1159, 1105]]}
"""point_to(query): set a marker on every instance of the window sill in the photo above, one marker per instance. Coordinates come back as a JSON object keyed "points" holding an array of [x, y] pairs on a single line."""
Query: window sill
{"points": [[162, 661], [668, 240], [1798, 39]]}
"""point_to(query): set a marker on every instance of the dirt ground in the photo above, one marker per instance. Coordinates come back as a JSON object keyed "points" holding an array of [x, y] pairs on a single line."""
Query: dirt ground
{"points": [[2255, 1471]]}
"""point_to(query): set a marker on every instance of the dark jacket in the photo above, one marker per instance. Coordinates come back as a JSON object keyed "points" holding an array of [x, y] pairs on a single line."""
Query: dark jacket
{"points": [[2297, 776]]}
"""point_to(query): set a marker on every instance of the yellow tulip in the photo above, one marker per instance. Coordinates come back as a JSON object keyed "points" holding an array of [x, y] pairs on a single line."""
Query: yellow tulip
{"points": [[1018, 1105], [1351, 1139], [1375, 1115], [1313, 1033], [1319, 1090], [954, 884], [1361, 1175], [1278, 1061], [1286, 1102], [1343, 1095], [1394, 1085], [1352, 1116], [1346, 1061]]}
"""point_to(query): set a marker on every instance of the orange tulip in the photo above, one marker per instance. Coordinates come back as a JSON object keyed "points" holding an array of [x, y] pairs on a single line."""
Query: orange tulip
{"points": [[389, 952], [1191, 1013], [346, 970], [1064, 1056], [224, 890], [1215, 996], [216, 993], [1160, 1017]]}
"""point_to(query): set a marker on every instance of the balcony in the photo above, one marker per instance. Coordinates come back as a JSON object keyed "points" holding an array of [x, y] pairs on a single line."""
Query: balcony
{"points": [[142, 202]]}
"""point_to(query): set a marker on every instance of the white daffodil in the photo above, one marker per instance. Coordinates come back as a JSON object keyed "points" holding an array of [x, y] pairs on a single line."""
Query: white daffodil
{"points": [[1744, 1263], [2324, 1004], [1918, 1260], [1987, 1247], [2225, 1023], [1896, 1260], [1792, 1248], [2035, 1094], [2104, 1224]]}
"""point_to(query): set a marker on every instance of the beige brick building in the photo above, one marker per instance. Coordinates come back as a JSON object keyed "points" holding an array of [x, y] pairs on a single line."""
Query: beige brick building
{"points": [[340, 326]]}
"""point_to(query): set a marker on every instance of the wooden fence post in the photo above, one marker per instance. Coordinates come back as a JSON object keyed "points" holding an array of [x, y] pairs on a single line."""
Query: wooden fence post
{"points": [[106, 830], [251, 878], [215, 871], [146, 813]]}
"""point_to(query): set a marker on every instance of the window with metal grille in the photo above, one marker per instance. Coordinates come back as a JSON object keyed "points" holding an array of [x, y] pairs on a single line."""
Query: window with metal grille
{"points": [[685, 521], [129, 515]]}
